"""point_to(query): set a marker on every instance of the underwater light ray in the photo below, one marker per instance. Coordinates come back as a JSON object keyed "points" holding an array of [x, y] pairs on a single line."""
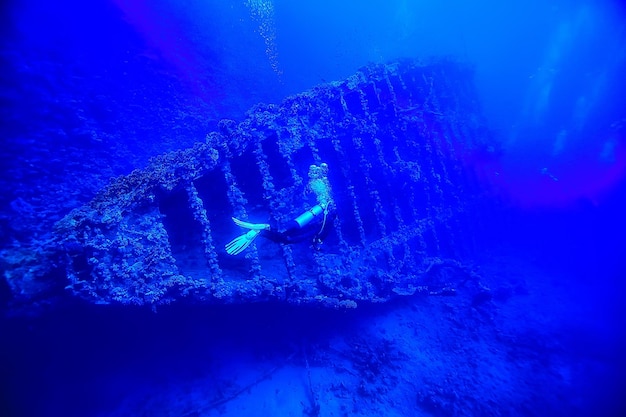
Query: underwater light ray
{"points": [[164, 33]]}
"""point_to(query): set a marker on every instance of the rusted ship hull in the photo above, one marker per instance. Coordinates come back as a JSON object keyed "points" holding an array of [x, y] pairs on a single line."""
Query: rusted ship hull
{"points": [[393, 136]]}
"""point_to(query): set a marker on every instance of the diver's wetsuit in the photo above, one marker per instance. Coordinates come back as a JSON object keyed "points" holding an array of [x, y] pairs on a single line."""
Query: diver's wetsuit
{"points": [[292, 232]]}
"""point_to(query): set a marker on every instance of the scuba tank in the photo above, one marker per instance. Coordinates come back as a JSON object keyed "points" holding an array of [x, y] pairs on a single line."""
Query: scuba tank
{"points": [[306, 217]]}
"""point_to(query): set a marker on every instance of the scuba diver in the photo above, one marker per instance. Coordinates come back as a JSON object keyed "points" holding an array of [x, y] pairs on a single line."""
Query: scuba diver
{"points": [[312, 224]]}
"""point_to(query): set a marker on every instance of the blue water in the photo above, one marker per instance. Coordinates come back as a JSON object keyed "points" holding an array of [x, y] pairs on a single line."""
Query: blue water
{"points": [[93, 90]]}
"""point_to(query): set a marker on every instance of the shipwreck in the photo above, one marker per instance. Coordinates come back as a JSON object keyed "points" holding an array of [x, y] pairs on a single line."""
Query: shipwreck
{"points": [[395, 138]]}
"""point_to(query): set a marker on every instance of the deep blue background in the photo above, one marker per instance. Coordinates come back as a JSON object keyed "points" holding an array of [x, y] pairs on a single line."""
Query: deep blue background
{"points": [[91, 90]]}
